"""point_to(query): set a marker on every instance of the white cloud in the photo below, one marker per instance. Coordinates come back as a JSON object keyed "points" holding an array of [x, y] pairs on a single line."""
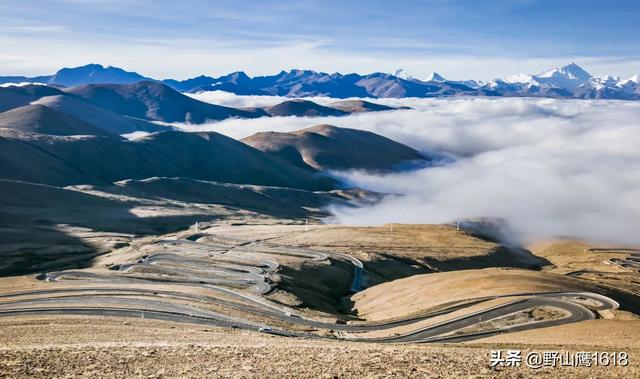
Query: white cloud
{"points": [[232, 100], [221, 56], [21, 84], [548, 167]]}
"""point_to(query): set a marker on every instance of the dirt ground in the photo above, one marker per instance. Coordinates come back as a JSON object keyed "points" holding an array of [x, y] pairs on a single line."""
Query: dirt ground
{"points": [[75, 346], [604, 334], [398, 297]]}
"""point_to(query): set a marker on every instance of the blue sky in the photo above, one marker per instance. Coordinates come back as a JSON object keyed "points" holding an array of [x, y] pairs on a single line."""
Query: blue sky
{"points": [[459, 39]]}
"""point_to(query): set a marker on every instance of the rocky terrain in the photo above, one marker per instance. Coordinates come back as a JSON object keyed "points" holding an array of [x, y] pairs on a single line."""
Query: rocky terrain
{"points": [[134, 348]]}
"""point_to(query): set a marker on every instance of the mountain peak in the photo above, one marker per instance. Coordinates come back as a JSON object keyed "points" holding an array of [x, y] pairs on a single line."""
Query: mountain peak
{"points": [[402, 74], [236, 77], [435, 77], [84, 68], [88, 65], [576, 71], [520, 78], [94, 73], [606, 79], [571, 71], [635, 78], [297, 71]]}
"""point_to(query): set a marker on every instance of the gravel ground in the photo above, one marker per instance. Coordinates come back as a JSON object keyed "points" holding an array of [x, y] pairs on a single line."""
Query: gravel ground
{"points": [[298, 359], [109, 347]]}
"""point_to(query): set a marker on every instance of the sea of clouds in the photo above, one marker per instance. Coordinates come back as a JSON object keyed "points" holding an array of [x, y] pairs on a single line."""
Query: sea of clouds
{"points": [[21, 84], [548, 167]]}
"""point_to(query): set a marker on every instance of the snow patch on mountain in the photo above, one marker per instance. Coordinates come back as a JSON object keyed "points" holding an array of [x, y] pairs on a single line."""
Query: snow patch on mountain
{"points": [[435, 77], [402, 74]]}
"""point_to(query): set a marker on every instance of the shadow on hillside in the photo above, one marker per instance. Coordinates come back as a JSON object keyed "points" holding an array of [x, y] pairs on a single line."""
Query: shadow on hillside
{"points": [[628, 301], [322, 287], [50, 228], [325, 288], [500, 257], [388, 268], [35, 221], [42, 245], [28, 249]]}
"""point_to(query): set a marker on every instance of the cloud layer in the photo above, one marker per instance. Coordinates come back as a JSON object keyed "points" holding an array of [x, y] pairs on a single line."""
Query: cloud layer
{"points": [[548, 167]]}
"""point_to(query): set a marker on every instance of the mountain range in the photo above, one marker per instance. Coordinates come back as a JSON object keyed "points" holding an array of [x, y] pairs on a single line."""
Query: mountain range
{"points": [[139, 106], [72, 160], [74, 137], [570, 81]]}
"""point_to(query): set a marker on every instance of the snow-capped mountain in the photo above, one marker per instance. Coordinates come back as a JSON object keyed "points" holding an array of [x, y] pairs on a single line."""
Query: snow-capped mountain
{"points": [[568, 77], [635, 78], [502, 85], [435, 77], [472, 83], [570, 81], [521, 79], [402, 74], [567, 81], [606, 80], [608, 87], [630, 85]]}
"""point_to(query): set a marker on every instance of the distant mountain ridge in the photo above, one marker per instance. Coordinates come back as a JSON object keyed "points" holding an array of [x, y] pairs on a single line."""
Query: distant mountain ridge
{"points": [[154, 101], [75, 136], [87, 74], [570, 81], [139, 106]]}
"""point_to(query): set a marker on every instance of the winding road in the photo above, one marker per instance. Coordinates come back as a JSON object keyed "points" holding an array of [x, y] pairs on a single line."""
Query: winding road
{"points": [[631, 262], [225, 272]]}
